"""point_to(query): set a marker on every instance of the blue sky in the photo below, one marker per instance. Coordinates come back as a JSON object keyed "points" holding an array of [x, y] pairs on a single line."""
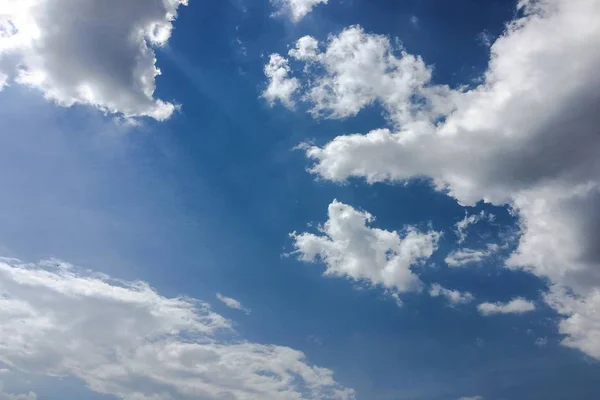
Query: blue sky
{"points": [[351, 200]]}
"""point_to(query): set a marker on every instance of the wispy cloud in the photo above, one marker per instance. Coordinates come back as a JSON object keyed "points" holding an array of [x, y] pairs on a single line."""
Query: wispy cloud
{"points": [[57, 319], [514, 306], [232, 303]]}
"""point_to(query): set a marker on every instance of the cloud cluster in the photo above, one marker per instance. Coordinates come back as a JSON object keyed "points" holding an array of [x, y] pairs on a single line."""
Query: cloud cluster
{"points": [[514, 306], [126, 340], [88, 52], [525, 136], [350, 248], [296, 9]]}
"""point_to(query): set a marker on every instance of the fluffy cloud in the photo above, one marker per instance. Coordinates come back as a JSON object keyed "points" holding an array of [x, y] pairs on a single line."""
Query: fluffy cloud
{"points": [[524, 137], [88, 52], [280, 86], [471, 398], [350, 248], [542, 161], [582, 323], [126, 340], [455, 297], [296, 9], [359, 70], [232, 303], [307, 48], [514, 306], [461, 257]]}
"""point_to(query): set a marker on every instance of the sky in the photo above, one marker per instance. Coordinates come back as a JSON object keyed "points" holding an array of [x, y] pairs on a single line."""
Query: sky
{"points": [[299, 199]]}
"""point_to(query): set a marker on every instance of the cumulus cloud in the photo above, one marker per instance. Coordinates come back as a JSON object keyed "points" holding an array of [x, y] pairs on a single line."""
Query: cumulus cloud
{"points": [[127, 340], [232, 303], [361, 69], [581, 325], [524, 137], [88, 52], [455, 297], [296, 9], [280, 86], [461, 257], [307, 48], [514, 306], [350, 248], [471, 398]]}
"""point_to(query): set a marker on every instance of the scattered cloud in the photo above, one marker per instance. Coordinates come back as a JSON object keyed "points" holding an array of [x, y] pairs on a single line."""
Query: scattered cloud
{"points": [[232, 303], [514, 306], [529, 129], [315, 339], [414, 20], [471, 398], [280, 87], [462, 225], [485, 38], [350, 248], [541, 342], [9, 396], [455, 297], [296, 9], [461, 257], [242, 48], [125, 339], [100, 56]]}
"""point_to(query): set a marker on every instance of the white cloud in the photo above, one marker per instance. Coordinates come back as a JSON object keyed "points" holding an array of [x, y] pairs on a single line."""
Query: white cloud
{"points": [[296, 9], [350, 248], [361, 69], [471, 398], [541, 342], [232, 303], [524, 137], [581, 325], [307, 48], [88, 52], [515, 306], [461, 257], [126, 340], [547, 172], [280, 87], [10, 396], [455, 297]]}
